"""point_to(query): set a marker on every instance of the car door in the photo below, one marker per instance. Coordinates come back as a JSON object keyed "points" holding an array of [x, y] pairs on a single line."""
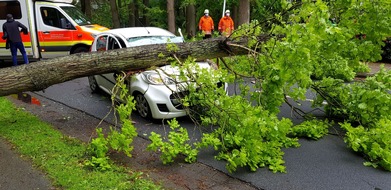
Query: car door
{"points": [[104, 43]]}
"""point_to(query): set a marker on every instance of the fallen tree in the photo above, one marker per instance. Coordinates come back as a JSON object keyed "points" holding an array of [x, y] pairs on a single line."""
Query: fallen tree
{"points": [[40, 75]]}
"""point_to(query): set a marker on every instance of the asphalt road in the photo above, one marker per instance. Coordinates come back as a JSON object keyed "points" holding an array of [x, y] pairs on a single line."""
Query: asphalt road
{"points": [[324, 164]]}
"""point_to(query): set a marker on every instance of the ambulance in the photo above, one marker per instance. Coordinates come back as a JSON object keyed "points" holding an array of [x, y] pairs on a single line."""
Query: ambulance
{"points": [[55, 28]]}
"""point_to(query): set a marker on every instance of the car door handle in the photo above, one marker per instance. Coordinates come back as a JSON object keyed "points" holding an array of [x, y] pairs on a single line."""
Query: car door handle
{"points": [[46, 32]]}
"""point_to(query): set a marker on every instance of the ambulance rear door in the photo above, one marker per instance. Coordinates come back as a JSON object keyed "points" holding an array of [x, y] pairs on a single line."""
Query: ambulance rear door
{"points": [[19, 10]]}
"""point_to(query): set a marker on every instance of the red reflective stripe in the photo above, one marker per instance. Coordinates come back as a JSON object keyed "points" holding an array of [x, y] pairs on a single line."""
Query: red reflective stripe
{"points": [[25, 38]]}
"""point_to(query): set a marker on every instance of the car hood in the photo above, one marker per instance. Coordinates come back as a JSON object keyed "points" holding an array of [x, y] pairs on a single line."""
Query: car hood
{"points": [[170, 70]]}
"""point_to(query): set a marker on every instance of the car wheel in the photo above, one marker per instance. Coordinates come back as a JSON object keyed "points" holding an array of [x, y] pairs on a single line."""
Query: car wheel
{"points": [[142, 106], [93, 84], [80, 49]]}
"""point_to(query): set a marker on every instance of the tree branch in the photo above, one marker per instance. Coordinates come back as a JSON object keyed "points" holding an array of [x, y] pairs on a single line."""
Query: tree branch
{"points": [[40, 75]]}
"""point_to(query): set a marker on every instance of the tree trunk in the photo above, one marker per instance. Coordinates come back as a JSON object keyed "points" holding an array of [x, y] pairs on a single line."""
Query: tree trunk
{"points": [[235, 16], [114, 13], [86, 8], [190, 20], [132, 19], [171, 15], [145, 13], [136, 14], [40, 75], [244, 12]]}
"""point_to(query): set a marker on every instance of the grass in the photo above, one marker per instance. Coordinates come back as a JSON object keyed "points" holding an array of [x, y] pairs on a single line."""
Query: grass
{"points": [[59, 156]]}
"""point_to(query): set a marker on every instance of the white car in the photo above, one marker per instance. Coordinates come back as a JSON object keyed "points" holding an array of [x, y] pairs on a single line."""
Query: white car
{"points": [[154, 90]]}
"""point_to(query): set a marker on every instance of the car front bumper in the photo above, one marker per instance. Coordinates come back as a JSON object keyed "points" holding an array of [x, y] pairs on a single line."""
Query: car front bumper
{"points": [[163, 102]]}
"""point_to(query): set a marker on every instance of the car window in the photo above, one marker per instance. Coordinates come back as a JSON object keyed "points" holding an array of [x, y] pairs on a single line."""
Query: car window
{"points": [[114, 43], [146, 40], [101, 43]]}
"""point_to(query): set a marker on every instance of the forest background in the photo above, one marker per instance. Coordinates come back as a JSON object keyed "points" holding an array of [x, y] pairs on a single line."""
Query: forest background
{"points": [[173, 14]]}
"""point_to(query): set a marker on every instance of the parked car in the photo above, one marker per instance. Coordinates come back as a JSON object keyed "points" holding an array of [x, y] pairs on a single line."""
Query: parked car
{"points": [[155, 92]]}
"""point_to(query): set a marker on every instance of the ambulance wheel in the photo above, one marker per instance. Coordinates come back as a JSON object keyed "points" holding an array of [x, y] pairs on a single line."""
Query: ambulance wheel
{"points": [[80, 49]]}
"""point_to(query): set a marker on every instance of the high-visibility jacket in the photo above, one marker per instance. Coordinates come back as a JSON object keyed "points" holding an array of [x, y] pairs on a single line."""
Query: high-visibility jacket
{"points": [[226, 26], [206, 24]]}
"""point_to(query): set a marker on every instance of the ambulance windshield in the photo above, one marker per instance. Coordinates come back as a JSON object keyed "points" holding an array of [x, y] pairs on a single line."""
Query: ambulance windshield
{"points": [[76, 15]]}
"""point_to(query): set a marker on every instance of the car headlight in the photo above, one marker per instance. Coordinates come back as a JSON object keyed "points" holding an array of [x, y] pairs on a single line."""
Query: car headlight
{"points": [[155, 78]]}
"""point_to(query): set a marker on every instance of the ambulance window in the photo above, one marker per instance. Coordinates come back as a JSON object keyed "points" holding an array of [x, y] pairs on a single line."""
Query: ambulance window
{"points": [[10, 7], [53, 17]]}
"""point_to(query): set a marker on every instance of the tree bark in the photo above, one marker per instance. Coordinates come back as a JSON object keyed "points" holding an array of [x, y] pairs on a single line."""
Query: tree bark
{"points": [[86, 8], [235, 16], [132, 19], [171, 15], [244, 12], [136, 14], [114, 13], [40, 75], [190, 20], [145, 12]]}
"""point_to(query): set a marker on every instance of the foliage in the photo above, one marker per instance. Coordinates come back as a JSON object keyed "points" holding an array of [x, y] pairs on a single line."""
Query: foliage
{"points": [[364, 102], [318, 45], [104, 18], [374, 142], [313, 129], [255, 141], [118, 140], [177, 143], [310, 45], [60, 159]]}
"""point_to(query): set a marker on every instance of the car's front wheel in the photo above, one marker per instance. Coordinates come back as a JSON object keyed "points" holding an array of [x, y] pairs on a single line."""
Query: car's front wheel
{"points": [[142, 106], [93, 84]]}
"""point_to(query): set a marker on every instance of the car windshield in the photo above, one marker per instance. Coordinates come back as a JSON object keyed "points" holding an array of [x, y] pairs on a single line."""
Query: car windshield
{"points": [[146, 40], [76, 15]]}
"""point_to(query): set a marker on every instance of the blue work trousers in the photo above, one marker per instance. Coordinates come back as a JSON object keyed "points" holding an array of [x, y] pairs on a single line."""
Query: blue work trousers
{"points": [[14, 46]]}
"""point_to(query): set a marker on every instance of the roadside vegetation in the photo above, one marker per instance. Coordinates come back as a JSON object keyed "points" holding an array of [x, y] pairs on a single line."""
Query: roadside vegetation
{"points": [[317, 45], [61, 157]]}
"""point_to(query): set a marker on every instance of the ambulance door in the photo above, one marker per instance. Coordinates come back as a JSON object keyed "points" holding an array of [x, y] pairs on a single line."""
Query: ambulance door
{"points": [[55, 31]]}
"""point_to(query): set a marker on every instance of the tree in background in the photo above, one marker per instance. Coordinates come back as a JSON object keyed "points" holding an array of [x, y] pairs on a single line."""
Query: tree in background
{"points": [[185, 12], [244, 12], [145, 19], [190, 20], [86, 8], [115, 14], [171, 15]]}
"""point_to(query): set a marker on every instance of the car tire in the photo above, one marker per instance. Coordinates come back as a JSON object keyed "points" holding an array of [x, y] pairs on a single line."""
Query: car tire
{"points": [[80, 50], [93, 84], [142, 106]]}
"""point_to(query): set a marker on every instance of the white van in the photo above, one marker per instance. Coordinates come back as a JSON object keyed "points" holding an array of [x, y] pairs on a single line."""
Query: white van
{"points": [[56, 28]]}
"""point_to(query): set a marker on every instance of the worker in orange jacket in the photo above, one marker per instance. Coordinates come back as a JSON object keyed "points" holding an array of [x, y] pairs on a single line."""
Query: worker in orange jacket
{"points": [[226, 24], [206, 25]]}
